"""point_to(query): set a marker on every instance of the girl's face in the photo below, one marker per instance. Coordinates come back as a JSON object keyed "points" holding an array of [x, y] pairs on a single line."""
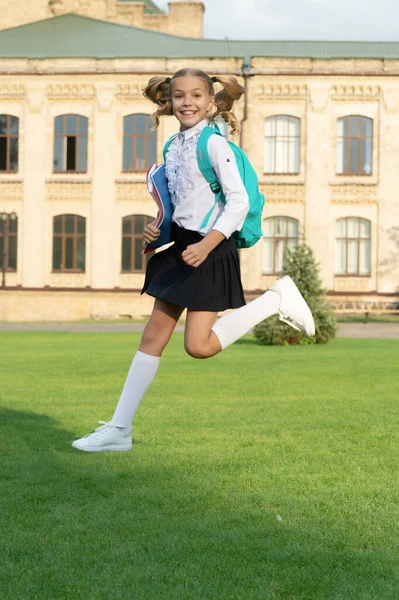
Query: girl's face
{"points": [[191, 100]]}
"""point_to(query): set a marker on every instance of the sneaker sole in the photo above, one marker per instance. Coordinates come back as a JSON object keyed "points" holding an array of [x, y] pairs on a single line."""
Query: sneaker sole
{"points": [[103, 448]]}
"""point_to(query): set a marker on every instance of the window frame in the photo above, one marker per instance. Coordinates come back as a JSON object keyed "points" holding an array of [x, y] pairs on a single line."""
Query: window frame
{"points": [[346, 159], [285, 142], [145, 136], [77, 136], [133, 237], [8, 136], [64, 236], [5, 235], [358, 239], [274, 238]]}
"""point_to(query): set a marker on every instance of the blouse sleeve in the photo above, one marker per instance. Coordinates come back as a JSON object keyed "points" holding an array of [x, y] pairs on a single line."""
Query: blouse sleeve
{"points": [[228, 175]]}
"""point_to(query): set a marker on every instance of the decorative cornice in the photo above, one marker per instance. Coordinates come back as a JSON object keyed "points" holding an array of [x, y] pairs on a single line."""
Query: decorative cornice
{"points": [[69, 191], [70, 91], [354, 194], [127, 191], [12, 92], [292, 193], [128, 91], [355, 93], [286, 92], [11, 190]]}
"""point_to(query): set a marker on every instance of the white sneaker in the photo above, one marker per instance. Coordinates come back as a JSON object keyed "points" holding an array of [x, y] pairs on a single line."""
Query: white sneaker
{"points": [[105, 438], [293, 309]]}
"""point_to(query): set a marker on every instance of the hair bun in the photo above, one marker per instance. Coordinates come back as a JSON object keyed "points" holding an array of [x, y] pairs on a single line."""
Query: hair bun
{"points": [[167, 80]]}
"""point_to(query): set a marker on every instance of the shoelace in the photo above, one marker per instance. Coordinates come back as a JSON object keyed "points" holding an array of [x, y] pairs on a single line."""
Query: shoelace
{"points": [[99, 430]]}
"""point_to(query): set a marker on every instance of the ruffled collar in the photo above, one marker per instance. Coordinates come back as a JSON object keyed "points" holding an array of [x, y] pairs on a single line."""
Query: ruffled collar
{"points": [[188, 133]]}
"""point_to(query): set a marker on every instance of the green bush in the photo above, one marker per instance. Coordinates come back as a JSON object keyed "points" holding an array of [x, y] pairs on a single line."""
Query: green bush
{"points": [[301, 266]]}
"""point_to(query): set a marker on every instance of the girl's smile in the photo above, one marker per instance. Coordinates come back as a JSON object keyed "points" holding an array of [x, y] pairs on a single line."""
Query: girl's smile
{"points": [[191, 100]]}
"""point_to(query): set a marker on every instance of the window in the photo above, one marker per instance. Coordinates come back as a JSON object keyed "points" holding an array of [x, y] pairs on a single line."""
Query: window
{"points": [[70, 144], [353, 246], [8, 241], [354, 146], [282, 144], [132, 242], [8, 144], [280, 233], [139, 143], [69, 243]]}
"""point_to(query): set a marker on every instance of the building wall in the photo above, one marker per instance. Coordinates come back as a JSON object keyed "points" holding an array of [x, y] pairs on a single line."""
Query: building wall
{"points": [[184, 18], [316, 197]]}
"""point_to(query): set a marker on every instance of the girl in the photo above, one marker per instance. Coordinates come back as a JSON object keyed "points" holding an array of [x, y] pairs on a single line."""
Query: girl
{"points": [[200, 271]]}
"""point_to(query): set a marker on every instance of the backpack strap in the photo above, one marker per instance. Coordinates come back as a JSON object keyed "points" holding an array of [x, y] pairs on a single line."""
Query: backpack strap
{"points": [[205, 166], [167, 146]]}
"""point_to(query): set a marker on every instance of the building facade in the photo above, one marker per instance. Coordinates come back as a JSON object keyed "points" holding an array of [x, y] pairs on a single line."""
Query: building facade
{"points": [[318, 123]]}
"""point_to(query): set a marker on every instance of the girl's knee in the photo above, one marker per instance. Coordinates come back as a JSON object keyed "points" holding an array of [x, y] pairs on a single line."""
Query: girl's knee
{"points": [[197, 350]]}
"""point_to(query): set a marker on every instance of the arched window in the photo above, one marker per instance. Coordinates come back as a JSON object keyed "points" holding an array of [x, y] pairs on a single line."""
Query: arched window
{"points": [[353, 246], [132, 242], [70, 144], [280, 233], [139, 143], [282, 144], [8, 241], [354, 145], [9, 143], [69, 243]]}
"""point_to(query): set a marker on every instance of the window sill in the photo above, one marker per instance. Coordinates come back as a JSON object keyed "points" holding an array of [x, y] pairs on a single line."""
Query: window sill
{"points": [[68, 272], [351, 276], [139, 177], [10, 178]]}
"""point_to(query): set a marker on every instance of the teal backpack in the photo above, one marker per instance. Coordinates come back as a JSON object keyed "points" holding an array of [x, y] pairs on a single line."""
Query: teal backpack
{"points": [[251, 230]]}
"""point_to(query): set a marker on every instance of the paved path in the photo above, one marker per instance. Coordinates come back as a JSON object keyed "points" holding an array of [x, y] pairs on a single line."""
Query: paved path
{"points": [[348, 330]]}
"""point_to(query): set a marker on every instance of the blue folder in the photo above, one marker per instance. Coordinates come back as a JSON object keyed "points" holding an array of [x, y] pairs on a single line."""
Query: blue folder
{"points": [[158, 188]]}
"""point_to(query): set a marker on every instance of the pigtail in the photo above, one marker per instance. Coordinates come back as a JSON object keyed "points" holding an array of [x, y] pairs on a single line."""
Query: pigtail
{"points": [[158, 91], [224, 99]]}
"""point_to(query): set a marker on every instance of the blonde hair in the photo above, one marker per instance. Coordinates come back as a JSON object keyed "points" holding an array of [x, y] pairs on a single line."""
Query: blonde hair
{"points": [[158, 90]]}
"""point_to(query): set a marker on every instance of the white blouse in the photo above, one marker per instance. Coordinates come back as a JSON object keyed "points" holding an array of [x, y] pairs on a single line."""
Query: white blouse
{"points": [[191, 194]]}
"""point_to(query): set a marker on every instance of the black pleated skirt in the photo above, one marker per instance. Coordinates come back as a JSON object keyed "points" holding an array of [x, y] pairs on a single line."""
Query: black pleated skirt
{"points": [[213, 286]]}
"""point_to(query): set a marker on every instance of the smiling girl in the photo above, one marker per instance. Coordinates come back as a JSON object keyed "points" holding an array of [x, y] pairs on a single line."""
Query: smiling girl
{"points": [[200, 272]]}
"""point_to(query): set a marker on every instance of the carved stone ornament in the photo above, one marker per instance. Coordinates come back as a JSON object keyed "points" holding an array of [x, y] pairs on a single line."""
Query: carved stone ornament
{"points": [[354, 194], [291, 193], [55, 6], [12, 92], [128, 91], [391, 100], [36, 101], [105, 99], [319, 99], [355, 92], [70, 91], [12, 190], [69, 191], [288, 92]]}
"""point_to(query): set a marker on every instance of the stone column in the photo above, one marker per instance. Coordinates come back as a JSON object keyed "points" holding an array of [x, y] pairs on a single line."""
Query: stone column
{"points": [[33, 260]]}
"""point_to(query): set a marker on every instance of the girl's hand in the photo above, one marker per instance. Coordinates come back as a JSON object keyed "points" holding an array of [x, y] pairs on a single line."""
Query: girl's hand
{"points": [[195, 254], [151, 233]]}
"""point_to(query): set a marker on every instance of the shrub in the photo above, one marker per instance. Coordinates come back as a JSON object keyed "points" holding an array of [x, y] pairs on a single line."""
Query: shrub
{"points": [[301, 266]]}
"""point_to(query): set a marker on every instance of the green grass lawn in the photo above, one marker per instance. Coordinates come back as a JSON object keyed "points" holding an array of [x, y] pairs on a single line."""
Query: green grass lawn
{"points": [[264, 473]]}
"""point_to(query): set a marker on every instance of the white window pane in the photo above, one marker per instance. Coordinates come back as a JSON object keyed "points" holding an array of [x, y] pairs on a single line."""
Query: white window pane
{"points": [[353, 227], [340, 228], [293, 154], [268, 227], [281, 157], [281, 227], [340, 127], [367, 156], [340, 257], [367, 126], [282, 125], [340, 155], [292, 228], [269, 126], [292, 244], [352, 256], [280, 245], [294, 125], [364, 228], [364, 257], [267, 259], [270, 148]]}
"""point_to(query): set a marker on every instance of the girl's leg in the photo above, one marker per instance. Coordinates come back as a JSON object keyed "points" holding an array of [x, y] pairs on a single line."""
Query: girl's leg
{"points": [[116, 435], [156, 335], [199, 339]]}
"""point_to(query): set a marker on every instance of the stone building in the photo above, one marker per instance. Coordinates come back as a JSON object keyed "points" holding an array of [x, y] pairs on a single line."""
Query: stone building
{"points": [[318, 123]]}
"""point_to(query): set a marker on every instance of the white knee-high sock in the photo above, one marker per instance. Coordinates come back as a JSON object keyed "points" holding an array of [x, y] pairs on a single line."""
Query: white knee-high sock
{"points": [[141, 374], [237, 323]]}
